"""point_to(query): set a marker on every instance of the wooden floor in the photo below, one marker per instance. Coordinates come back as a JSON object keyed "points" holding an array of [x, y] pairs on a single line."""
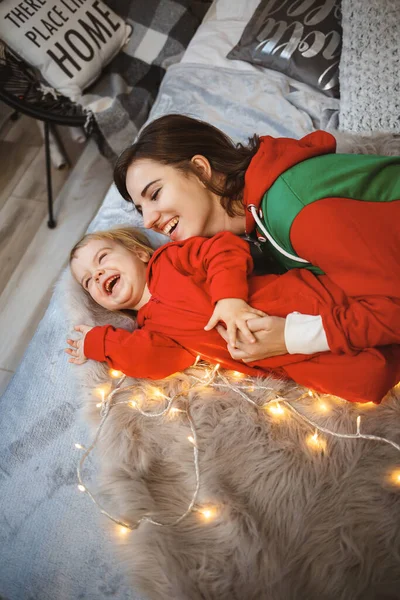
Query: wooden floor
{"points": [[31, 255]]}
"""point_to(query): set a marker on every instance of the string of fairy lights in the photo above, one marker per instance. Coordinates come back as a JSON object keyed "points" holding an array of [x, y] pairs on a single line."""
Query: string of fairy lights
{"points": [[241, 385]]}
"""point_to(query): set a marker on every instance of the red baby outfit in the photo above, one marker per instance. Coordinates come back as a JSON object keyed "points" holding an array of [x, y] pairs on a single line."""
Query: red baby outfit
{"points": [[187, 278]]}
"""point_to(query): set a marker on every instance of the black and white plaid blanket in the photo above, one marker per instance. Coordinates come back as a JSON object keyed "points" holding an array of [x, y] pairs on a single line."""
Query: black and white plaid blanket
{"points": [[122, 98]]}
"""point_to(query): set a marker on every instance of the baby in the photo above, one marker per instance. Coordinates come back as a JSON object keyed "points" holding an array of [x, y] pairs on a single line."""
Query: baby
{"points": [[176, 289]]}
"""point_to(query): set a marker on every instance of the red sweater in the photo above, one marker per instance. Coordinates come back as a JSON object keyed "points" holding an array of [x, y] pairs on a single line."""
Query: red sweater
{"points": [[356, 243], [187, 278]]}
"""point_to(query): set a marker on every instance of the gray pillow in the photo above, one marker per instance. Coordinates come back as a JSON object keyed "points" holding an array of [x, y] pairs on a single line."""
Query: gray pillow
{"points": [[370, 66], [301, 39]]}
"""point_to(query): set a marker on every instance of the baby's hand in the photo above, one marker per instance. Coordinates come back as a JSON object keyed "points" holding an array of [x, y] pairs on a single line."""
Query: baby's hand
{"points": [[76, 351], [234, 313]]}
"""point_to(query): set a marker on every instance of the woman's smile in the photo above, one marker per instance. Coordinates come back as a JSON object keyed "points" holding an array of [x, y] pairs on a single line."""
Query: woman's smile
{"points": [[170, 227]]}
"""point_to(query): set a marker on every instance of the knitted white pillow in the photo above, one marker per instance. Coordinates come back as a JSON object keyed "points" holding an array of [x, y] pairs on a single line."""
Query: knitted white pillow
{"points": [[69, 41], [369, 70]]}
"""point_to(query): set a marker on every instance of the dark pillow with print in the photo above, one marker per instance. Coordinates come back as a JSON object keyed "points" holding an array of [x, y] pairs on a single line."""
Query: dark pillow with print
{"points": [[301, 38]]}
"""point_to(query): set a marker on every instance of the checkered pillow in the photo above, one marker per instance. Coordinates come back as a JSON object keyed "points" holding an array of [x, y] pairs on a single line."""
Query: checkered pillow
{"points": [[162, 28], [122, 98]]}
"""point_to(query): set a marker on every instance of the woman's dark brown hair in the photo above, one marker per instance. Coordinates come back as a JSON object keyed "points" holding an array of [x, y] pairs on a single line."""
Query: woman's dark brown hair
{"points": [[174, 139]]}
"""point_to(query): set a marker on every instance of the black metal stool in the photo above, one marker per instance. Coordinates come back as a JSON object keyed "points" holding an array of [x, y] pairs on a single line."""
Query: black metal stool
{"points": [[21, 88]]}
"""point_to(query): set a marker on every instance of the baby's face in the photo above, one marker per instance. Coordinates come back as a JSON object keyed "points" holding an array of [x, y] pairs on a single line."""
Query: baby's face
{"points": [[114, 276]]}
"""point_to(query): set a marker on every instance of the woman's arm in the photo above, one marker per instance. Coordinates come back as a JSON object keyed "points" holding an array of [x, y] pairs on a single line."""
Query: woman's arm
{"points": [[362, 323], [351, 323]]}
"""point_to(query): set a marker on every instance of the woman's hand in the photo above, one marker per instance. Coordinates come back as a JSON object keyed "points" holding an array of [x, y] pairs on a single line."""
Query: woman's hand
{"points": [[78, 356], [234, 313], [270, 340]]}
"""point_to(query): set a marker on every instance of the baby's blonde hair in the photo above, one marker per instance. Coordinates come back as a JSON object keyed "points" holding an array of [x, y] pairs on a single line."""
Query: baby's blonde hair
{"points": [[129, 237]]}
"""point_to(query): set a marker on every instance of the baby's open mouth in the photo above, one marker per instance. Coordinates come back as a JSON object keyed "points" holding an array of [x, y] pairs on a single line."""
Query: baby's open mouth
{"points": [[110, 283], [171, 226]]}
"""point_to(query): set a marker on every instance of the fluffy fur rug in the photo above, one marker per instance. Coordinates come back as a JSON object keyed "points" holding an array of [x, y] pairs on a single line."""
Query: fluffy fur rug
{"points": [[291, 522]]}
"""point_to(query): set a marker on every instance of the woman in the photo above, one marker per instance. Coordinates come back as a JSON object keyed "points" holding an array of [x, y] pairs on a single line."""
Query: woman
{"points": [[332, 214]]}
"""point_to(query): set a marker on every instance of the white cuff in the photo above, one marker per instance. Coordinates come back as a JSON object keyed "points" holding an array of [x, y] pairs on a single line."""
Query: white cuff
{"points": [[305, 334]]}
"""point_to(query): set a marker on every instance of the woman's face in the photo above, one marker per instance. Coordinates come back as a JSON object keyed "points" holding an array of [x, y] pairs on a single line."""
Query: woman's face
{"points": [[114, 276], [174, 203]]}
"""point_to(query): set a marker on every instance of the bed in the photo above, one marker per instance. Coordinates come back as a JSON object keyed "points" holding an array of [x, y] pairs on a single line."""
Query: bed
{"points": [[295, 519]]}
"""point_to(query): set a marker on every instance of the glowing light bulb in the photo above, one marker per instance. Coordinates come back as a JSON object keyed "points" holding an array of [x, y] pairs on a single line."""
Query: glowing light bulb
{"points": [[98, 405], [114, 373], [310, 393], [197, 360], [81, 488], [276, 409], [156, 393], [237, 375], [133, 404], [323, 407], [208, 513], [103, 391], [175, 411], [191, 440], [79, 446], [314, 441], [123, 530], [394, 477]]}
